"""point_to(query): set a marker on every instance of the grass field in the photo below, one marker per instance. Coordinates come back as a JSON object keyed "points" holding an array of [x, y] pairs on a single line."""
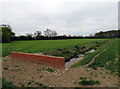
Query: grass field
{"points": [[43, 45]]}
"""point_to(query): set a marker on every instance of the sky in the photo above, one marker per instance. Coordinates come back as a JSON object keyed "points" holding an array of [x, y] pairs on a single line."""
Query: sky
{"points": [[69, 17]]}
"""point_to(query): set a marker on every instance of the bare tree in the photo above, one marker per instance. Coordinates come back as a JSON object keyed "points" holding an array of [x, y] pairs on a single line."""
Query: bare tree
{"points": [[29, 35], [37, 34], [50, 33]]}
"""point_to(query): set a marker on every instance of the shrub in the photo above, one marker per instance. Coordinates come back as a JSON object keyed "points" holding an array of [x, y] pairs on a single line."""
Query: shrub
{"points": [[6, 60], [29, 82], [5, 68], [20, 83], [39, 69], [37, 83], [88, 82], [40, 84], [7, 85]]}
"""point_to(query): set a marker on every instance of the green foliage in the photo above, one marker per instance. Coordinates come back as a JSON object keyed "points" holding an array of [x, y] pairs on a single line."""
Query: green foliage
{"points": [[7, 85], [39, 69], [16, 66], [6, 60], [37, 83], [5, 68], [6, 34], [83, 78], [40, 84], [88, 82], [49, 69]]}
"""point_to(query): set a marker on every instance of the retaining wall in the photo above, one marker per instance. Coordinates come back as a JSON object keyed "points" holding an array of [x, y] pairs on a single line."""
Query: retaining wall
{"points": [[56, 62]]}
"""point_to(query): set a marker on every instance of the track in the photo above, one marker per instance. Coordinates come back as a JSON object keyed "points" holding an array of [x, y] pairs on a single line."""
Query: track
{"points": [[97, 55]]}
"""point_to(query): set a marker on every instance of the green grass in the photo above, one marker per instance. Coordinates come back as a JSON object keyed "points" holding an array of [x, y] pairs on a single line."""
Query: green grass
{"points": [[109, 55], [88, 57], [43, 45], [6, 60]]}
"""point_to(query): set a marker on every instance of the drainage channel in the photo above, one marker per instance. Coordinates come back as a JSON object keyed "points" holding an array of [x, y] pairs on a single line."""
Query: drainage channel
{"points": [[67, 64]]}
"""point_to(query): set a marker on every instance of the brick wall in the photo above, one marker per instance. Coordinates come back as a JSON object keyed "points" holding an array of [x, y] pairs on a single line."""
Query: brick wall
{"points": [[56, 62]]}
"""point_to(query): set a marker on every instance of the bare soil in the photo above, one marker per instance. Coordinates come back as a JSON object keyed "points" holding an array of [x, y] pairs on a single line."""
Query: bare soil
{"points": [[23, 71]]}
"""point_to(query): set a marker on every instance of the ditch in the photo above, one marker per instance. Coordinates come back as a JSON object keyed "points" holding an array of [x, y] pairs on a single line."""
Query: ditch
{"points": [[68, 63]]}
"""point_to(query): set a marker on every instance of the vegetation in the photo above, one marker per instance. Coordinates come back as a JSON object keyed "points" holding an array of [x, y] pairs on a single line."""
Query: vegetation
{"points": [[5, 68], [107, 58], [48, 69], [42, 45], [6, 60], [88, 82], [88, 57], [7, 85], [6, 34]]}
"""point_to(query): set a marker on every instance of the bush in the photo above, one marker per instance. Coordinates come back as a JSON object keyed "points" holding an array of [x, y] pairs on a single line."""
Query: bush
{"points": [[88, 82], [5, 68], [40, 84]]}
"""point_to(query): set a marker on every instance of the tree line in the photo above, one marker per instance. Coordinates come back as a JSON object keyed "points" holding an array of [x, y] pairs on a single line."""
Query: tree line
{"points": [[8, 35]]}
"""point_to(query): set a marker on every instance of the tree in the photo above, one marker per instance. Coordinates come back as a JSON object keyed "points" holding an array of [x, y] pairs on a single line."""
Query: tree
{"points": [[50, 33], [37, 34], [6, 33]]}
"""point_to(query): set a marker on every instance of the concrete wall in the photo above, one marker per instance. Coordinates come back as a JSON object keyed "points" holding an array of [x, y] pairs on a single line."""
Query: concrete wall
{"points": [[56, 62]]}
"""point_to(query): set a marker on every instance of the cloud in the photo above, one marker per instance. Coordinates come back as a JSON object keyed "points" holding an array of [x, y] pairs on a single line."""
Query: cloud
{"points": [[66, 17]]}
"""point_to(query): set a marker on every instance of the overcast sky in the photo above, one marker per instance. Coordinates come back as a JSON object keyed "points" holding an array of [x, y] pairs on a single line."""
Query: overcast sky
{"points": [[72, 17]]}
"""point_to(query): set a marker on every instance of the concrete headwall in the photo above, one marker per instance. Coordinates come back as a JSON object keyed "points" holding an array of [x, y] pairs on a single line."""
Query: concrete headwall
{"points": [[56, 62]]}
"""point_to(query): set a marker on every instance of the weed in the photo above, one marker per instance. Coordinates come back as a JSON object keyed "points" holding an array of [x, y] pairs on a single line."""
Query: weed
{"points": [[88, 82], [5, 68], [16, 66], [21, 73], [13, 76], [20, 83], [40, 84], [39, 69], [103, 76], [7, 85], [83, 78], [44, 86], [91, 73], [96, 76], [74, 82], [29, 82], [109, 77], [6, 60], [37, 83]]}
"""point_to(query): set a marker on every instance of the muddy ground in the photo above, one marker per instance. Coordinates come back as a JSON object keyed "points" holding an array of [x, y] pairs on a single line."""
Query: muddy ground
{"points": [[23, 71]]}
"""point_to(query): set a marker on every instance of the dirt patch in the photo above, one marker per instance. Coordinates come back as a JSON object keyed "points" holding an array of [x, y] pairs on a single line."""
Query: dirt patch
{"points": [[22, 71]]}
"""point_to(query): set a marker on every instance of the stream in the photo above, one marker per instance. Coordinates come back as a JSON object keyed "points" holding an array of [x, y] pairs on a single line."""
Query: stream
{"points": [[67, 64]]}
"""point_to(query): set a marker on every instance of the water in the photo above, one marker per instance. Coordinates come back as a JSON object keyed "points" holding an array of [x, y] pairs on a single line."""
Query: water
{"points": [[67, 64]]}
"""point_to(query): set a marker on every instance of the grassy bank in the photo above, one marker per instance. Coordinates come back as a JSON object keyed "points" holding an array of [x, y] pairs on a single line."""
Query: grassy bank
{"points": [[108, 57], [89, 56]]}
